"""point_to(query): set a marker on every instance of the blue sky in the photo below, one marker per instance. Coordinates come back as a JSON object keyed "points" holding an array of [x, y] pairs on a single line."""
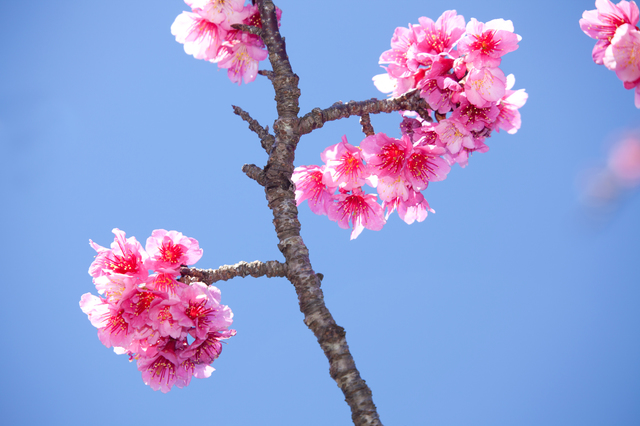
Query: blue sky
{"points": [[513, 304]]}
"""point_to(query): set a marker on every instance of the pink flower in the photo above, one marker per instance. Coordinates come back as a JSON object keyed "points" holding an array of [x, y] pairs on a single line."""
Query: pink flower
{"points": [[438, 92], [310, 186], [395, 86], [634, 84], [485, 44], [386, 156], [485, 86], [344, 167], [474, 118], [454, 135], [623, 54], [201, 37], [603, 22], [201, 310], [240, 56], [220, 12], [126, 256], [509, 117], [113, 329], [160, 371], [403, 40], [413, 208], [359, 209], [439, 37], [425, 165], [170, 250]]}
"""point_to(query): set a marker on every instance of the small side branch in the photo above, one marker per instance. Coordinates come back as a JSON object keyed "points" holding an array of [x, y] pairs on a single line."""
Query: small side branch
{"points": [[367, 128], [410, 101], [248, 29], [255, 173], [256, 269], [266, 139]]}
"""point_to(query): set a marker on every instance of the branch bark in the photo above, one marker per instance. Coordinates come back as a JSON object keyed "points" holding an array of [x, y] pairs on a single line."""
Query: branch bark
{"points": [[256, 269], [410, 101], [279, 192]]}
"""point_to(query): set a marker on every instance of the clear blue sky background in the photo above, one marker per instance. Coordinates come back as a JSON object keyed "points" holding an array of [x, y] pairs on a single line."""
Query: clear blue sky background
{"points": [[510, 306]]}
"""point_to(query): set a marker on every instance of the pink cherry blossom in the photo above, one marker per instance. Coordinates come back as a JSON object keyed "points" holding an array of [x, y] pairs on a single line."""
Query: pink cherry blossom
{"points": [[462, 157], [474, 118], [201, 37], [454, 135], [485, 86], [403, 40], [201, 310], [168, 250], [240, 56], [386, 156], [623, 54], [160, 371], [413, 208], [438, 92], [126, 256], [603, 22], [113, 330], [310, 186], [358, 209], [485, 44], [509, 117], [344, 166], [631, 85], [221, 12], [425, 165], [440, 37]]}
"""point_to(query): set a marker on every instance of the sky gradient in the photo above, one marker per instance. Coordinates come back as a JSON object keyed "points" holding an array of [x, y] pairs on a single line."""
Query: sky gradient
{"points": [[515, 304]]}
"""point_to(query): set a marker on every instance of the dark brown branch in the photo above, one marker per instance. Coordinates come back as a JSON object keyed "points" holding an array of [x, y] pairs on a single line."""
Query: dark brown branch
{"points": [[410, 101], [256, 269], [255, 173], [248, 29], [281, 200], [367, 128], [267, 73], [266, 139]]}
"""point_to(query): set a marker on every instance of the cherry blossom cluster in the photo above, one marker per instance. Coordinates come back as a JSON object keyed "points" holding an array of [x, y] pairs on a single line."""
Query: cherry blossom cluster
{"points": [[207, 33], [173, 330], [456, 69], [618, 46]]}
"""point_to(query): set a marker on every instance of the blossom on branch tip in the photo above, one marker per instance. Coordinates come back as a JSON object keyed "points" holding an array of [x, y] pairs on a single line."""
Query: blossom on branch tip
{"points": [[151, 317], [618, 45], [309, 184], [485, 44], [603, 22], [357, 210]]}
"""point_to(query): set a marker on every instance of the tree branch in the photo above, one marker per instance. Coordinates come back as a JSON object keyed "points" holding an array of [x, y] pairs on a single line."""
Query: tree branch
{"points": [[281, 200], [266, 139], [410, 101], [365, 122], [256, 269], [248, 29], [255, 173]]}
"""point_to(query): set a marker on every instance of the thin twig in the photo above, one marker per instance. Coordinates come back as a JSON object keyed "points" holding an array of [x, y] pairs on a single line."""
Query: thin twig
{"points": [[266, 138]]}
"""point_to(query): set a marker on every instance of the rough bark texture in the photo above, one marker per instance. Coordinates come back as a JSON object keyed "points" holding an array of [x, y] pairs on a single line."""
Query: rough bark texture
{"points": [[279, 192], [256, 269], [410, 101], [255, 173], [266, 139]]}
